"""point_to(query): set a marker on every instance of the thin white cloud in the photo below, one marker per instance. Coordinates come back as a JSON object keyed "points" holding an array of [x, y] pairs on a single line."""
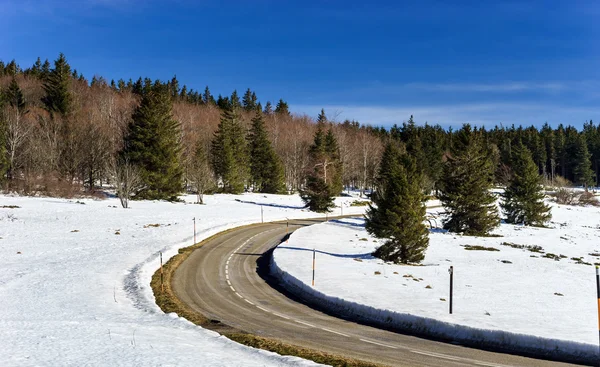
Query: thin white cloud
{"points": [[484, 114], [490, 87]]}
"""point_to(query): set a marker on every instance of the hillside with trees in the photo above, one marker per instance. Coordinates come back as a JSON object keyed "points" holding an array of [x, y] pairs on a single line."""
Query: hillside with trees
{"points": [[60, 130]]}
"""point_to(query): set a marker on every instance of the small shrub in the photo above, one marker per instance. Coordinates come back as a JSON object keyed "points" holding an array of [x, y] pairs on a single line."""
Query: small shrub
{"points": [[559, 294], [363, 239], [10, 207], [550, 255], [428, 287], [564, 196], [359, 203], [152, 225], [479, 248], [377, 273], [588, 198]]}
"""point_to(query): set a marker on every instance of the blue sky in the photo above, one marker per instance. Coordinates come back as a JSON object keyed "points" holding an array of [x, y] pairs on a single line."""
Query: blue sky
{"points": [[447, 62]]}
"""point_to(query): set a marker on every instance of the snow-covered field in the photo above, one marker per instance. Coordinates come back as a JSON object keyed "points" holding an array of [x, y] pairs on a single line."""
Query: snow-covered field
{"points": [[514, 297], [74, 281]]}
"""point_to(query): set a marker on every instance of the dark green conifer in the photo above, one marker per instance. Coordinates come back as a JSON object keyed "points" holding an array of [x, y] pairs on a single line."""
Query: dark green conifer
{"points": [[282, 108], [399, 210], [268, 108], [321, 182], [152, 144], [235, 100], [229, 153], [249, 100], [266, 168], [582, 169], [57, 84], [523, 199], [465, 188]]}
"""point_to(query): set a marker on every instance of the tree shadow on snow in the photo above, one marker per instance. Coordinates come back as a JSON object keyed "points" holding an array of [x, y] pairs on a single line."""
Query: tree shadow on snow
{"points": [[271, 204]]}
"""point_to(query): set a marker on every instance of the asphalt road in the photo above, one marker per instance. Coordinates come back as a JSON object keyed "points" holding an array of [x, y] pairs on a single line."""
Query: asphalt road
{"points": [[226, 280]]}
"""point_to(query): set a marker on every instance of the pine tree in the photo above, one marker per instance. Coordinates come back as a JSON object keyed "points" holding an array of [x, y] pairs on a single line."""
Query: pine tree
{"points": [[229, 153], [523, 199], [207, 97], [582, 170], [465, 187], [235, 100], [336, 169], [268, 108], [249, 100], [400, 210], [152, 144], [318, 193], [282, 108], [266, 168], [58, 97]]}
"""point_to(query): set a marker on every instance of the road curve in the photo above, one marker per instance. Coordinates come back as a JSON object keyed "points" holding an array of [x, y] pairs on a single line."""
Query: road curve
{"points": [[220, 280]]}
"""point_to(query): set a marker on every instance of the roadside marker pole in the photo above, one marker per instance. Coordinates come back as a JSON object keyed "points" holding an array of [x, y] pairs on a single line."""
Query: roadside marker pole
{"points": [[313, 279], [194, 230], [261, 215], [287, 225], [162, 287], [451, 271], [342, 208], [598, 294]]}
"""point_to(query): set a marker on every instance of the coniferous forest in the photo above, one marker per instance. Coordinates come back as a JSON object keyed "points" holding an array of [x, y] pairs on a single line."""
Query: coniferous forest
{"points": [[63, 133]]}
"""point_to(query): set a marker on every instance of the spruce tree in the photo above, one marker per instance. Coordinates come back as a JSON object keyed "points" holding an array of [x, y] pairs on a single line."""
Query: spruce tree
{"points": [[465, 186], [249, 100], [235, 100], [321, 186], [282, 108], [523, 199], [335, 171], [152, 144], [582, 169], [229, 153], [266, 168], [268, 108], [399, 209], [58, 97]]}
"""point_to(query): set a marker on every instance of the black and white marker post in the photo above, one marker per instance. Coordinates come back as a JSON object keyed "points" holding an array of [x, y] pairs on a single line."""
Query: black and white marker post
{"points": [[194, 230], [598, 295], [313, 279], [451, 271]]}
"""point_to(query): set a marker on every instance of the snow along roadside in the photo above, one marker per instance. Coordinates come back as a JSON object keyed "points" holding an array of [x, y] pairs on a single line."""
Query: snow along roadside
{"points": [[426, 326]]}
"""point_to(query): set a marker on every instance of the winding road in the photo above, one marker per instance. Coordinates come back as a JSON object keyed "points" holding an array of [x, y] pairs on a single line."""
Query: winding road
{"points": [[227, 280]]}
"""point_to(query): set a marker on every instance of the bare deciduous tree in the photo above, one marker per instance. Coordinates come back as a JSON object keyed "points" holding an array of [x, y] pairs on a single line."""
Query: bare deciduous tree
{"points": [[127, 180]]}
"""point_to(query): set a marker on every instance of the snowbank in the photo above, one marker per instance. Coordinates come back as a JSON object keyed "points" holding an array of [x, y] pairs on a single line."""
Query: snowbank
{"points": [[513, 298], [75, 275]]}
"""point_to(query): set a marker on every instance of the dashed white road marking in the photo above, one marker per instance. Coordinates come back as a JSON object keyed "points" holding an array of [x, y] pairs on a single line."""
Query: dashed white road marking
{"points": [[377, 343], [304, 323], [335, 332], [437, 355]]}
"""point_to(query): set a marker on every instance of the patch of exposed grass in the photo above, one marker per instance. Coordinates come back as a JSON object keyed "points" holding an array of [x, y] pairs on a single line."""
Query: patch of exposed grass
{"points": [[359, 203], [479, 248], [10, 207], [534, 248], [363, 239], [168, 302], [155, 225]]}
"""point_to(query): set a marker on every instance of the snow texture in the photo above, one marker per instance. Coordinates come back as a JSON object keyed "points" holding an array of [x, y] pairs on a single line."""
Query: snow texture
{"points": [[514, 298], [75, 275]]}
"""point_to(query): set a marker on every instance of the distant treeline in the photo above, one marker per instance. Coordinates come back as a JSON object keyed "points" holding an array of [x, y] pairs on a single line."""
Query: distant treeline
{"points": [[59, 130]]}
